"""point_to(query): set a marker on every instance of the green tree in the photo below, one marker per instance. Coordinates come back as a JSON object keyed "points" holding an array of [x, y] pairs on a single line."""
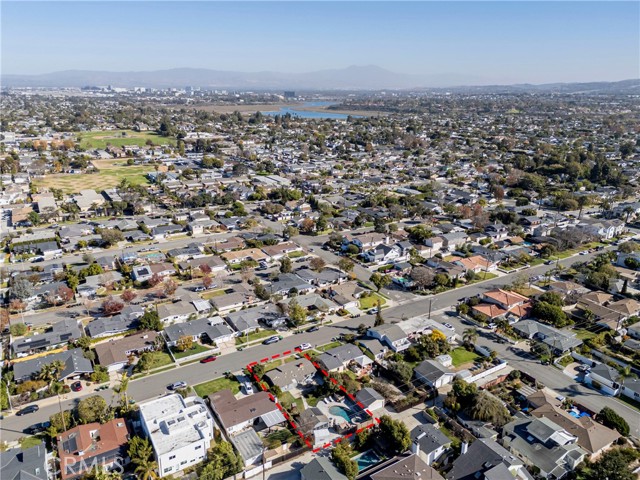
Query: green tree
{"points": [[341, 456], [379, 319], [286, 265], [487, 407], [395, 433], [150, 321], [297, 313], [345, 265], [380, 281], [614, 464], [141, 454], [93, 409], [612, 420], [21, 288], [111, 236], [470, 335], [34, 218], [402, 370]]}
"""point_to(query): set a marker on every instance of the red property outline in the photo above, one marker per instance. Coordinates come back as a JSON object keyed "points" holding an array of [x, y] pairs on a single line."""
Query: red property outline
{"points": [[265, 388]]}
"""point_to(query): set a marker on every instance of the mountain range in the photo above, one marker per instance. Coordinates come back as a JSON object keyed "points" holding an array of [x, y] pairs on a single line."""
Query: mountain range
{"points": [[368, 77]]}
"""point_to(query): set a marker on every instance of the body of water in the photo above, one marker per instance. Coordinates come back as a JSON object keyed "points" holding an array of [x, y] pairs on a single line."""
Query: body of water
{"points": [[366, 460], [340, 412], [311, 113]]}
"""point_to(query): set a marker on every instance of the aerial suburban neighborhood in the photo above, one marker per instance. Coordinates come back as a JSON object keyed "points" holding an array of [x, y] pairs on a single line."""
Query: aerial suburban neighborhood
{"points": [[374, 284]]}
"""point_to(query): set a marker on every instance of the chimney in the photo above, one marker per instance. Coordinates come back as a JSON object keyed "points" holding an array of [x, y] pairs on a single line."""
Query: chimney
{"points": [[415, 447], [463, 448]]}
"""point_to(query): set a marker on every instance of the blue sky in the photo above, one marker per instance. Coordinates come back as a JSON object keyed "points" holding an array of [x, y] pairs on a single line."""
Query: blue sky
{"points": [[503, 42]]}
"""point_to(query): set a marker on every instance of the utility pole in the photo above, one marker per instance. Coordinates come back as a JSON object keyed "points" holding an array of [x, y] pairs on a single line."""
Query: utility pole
{"points": [[430, 303]]}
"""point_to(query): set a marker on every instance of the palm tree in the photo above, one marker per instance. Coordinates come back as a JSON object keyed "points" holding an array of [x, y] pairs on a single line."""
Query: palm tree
{"points": [[628, 210], [470, 335], [121, 389], [99, 473], [583, 201], [57, 388], [146, 468]]}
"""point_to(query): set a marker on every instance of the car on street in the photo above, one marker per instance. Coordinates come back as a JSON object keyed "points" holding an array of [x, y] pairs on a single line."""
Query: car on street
{"points": [[549, 262], [27, 410], [584, 252], [304, 346], [491, 326], [314, 329], [372, 311], [210, 358], [271, 340], [37, 428], [76, 386], [177, 385], [449, 326]]}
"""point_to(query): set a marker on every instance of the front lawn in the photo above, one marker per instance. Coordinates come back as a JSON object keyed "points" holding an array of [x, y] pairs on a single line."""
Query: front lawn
{"points": [[483, 276], [460, 356], [197, 348], [214, 293], [255, 336], [371, 301], [296, 254], [28, 442], [328, 346], [158, 359], [207, 388]]}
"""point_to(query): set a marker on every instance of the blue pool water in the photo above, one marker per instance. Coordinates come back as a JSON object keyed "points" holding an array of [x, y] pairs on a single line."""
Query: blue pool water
{"points": [[341, 412], [366, 460]]}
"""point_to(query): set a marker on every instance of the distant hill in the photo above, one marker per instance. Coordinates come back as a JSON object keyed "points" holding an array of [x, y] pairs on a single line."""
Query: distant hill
{"points": [[368, 77]]}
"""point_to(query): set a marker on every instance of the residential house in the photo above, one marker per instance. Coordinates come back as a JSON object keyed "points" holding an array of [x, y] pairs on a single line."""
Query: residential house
{"points": [[231, 301], [373, 345], [433, 373], [238, 256], [250, 447], [291, 375], [93, 445], [144, 273], [338, 359], [476, 264], [179, 311], [276, 252], [75, 365], [322, 279], [392, 335], [60, 333], [429, 443], [593, 437], [605, 378], [485, 459], [631, 388], [287, 282], [321, 468], [312, 419], [256, 411], [370, 399], [558, 341], [544, 444], [382, 254], [404, 466], [501, 303], [115, 353], [212, 330], [180, 430], [25, 464], [451, 241], [346, 295]]}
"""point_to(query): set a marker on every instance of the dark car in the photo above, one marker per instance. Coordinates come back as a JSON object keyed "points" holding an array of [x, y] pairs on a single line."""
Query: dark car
{"points": [[177, 385], [76, 387], [27, 410], [210, 358], [314, 329], [37, 428]]}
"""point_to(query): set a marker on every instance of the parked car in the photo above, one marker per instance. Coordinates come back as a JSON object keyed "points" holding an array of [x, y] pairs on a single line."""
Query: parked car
{"points": [[491, 326], [304, 346], [37, 428], [210, 358], [27, 410], [315, 328], [248, 388], [373, 311], [76, 386], [177, 385], [449, 326], [271, 340], [549, 262]]}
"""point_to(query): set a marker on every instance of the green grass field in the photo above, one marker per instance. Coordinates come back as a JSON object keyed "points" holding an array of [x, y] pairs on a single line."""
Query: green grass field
{"points": [[100, 139], [111, 173], [197, 348], [460, 356], [212, 386], [371, 301]]}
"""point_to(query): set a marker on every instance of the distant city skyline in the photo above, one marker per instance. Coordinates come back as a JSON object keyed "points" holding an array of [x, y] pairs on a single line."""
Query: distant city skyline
{"points": [[487, 42]]}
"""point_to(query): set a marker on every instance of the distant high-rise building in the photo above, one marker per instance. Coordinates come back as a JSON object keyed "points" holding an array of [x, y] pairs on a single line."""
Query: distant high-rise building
{"points": [[289, 94]]}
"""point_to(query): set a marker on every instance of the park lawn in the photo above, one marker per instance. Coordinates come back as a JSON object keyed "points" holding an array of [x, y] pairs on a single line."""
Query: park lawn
{"points": [[110, 174], [296, 254], [371, 301], [328, 346], [460, 356], [213, 386], [100, 139], [197, 348], [255, 336], [28, 442]]}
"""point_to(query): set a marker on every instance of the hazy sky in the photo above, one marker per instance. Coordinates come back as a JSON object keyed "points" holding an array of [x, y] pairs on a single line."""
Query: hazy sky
{"points": [[501, 42]]}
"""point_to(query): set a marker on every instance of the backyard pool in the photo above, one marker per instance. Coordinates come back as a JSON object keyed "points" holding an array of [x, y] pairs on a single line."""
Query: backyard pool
{"points": [[367, 459], [340, 412]]}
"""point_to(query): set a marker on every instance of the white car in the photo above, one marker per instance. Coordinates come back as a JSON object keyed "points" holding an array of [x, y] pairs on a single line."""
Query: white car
{"points": [[304, 346], [491, 326], [449, 326], [248, 388]]}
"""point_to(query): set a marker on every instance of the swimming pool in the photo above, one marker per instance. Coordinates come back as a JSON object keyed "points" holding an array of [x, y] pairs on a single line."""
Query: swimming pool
{"points": [[367, 459], [340, 412]]}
